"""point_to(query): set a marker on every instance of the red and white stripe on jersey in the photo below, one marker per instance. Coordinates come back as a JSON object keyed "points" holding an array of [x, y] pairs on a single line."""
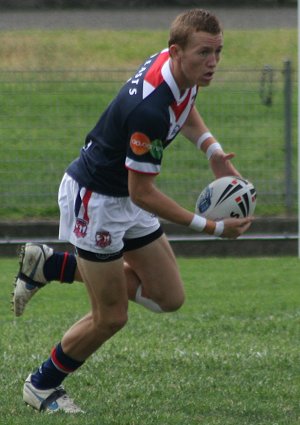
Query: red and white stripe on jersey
{"points": [[154, 77], [160, 73], [183, 103], [142, 167]]}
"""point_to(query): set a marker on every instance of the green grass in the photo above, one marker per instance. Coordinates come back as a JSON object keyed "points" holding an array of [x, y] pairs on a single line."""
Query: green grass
{"points": [[68, 111], [230, 356], [104, 49], [45, 115]]}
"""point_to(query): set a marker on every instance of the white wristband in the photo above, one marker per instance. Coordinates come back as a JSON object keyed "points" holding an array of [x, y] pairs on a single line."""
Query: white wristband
{"points": [[212, 148], [198, 223], [202, 139], [219, 229]]}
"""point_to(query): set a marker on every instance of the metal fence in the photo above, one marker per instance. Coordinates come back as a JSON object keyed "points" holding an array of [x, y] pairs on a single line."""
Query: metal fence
{"points": [[44, 117]]}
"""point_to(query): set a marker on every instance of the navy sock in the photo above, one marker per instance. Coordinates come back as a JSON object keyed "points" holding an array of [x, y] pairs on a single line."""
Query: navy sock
{"points": [[54, 370], [60, 266]]}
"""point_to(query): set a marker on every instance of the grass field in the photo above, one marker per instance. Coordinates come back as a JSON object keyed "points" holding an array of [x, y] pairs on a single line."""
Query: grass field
{"points": [[46, 114], [230, 356], [103, 49], [68, 111]]}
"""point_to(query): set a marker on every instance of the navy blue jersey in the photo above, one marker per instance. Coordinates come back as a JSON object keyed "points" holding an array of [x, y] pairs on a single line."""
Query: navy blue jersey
{"points": [[134, 130]]}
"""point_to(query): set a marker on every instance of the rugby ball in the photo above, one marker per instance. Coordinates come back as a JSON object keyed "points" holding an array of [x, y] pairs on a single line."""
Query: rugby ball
{"points": [[226, 197]]}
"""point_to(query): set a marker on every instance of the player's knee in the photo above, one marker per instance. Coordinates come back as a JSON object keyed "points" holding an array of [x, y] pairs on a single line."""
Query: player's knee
{"points": [[110, 324], [172, 304], [116, 323]]}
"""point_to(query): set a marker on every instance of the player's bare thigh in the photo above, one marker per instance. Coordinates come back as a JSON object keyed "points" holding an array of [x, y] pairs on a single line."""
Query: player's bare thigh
{"points": [[155, 265], [105, 283]]}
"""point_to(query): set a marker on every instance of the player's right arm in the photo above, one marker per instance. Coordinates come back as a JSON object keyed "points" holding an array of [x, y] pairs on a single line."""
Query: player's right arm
{"points": [[220, 162], [146, 195]]}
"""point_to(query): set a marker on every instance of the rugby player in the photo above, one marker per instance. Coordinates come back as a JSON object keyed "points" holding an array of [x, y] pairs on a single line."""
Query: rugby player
{"points": [[110, 205]]}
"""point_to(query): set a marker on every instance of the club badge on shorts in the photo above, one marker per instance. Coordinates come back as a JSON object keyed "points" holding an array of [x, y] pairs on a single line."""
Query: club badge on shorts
{"points": [[103, 239], [80, 228]]}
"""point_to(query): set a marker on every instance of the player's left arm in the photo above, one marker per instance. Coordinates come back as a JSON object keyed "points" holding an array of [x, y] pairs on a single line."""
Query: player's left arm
{"points": [[195, 130]]}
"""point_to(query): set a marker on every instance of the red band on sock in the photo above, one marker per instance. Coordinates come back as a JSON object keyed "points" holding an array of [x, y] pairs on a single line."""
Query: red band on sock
{"points": [[58, 364], [61, 277]]}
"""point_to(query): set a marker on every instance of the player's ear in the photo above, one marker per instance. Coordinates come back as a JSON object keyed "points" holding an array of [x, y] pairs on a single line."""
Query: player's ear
{"points": [[175, 51]]}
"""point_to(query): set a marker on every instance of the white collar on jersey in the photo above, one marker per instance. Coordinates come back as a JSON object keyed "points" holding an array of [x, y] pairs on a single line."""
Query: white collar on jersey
{"points": [[169, 79]]}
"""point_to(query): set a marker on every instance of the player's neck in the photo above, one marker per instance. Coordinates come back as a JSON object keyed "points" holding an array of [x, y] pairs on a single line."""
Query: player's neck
{"points": [[178, 77]]}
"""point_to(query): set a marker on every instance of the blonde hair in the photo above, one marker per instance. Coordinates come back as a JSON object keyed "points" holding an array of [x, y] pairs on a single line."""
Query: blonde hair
{"points": [[193, 21]]}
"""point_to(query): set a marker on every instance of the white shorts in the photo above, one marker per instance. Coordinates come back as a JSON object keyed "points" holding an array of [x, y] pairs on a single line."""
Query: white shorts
{"points": [[98, 223]]}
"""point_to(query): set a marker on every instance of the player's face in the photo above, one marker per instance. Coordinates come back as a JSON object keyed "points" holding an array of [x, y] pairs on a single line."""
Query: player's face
{"points": [[197, 63]]}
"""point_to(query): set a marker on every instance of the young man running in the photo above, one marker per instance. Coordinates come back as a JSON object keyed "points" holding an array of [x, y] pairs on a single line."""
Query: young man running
{"points": [[109, 204]]}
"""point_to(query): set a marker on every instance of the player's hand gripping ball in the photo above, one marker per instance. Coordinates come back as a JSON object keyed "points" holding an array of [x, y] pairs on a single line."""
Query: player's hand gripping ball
{"points": [[227, 197]]}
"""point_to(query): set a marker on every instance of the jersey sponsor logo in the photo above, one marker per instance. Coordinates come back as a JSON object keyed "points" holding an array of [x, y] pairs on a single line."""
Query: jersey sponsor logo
{"points": [[156, 149], [141, 144], [103, 239]]}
